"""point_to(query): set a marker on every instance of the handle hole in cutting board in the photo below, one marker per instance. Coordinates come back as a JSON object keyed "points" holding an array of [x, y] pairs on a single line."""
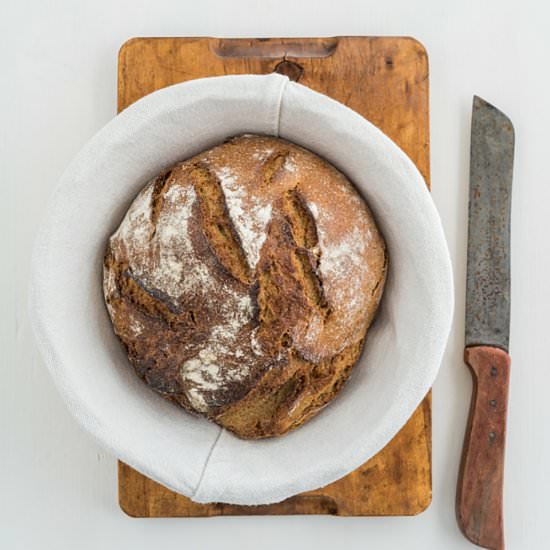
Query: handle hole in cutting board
{"points": [[274, 47]]}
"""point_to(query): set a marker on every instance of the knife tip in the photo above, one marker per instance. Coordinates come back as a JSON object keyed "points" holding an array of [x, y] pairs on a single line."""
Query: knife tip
{"points": [[481, 104]]}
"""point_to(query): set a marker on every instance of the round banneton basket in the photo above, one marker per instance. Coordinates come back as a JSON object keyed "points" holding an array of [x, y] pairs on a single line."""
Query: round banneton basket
{"points": [[191, 455]]}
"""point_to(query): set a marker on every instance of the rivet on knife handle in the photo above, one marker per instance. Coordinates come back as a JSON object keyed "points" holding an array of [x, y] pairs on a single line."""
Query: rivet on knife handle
{"points": [[480, 482]]}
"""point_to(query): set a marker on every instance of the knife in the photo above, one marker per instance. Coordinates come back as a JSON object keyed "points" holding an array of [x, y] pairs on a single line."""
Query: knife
{"points": [[480, 481]]}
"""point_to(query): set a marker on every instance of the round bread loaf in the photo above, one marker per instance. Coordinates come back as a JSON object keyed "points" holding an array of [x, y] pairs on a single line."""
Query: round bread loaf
{"points": [[242, 283]]}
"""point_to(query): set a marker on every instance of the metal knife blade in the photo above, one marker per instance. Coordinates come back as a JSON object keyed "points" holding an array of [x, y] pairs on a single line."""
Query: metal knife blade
{"points": [[488, 270]]}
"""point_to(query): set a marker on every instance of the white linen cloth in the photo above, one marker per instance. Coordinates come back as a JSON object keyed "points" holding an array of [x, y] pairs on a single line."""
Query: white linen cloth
{"points": [[191, 455]]}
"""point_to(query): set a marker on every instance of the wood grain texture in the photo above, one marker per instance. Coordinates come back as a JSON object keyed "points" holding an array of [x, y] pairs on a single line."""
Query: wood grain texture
{"points": [[386, 81], [480, 482]]}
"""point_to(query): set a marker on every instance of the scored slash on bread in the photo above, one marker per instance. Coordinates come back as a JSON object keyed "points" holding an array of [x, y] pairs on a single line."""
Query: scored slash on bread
{"points": [[242, 283]]}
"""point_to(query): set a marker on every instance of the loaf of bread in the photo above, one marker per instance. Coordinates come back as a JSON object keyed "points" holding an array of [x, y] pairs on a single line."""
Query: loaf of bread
{"points": [[242, 283]]}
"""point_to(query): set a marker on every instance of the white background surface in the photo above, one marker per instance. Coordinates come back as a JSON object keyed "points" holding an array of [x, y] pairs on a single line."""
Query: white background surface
{"points": [[58, 489]]}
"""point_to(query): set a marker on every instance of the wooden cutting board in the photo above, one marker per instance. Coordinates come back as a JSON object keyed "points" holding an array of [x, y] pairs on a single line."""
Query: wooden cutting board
{"points": [[386, 81]]}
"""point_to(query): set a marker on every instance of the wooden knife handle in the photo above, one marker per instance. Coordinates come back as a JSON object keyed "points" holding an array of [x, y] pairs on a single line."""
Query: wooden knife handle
{"points": [[480, 482]]}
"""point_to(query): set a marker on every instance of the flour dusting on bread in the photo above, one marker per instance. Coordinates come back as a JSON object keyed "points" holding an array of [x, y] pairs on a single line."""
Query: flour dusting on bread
{"points": [[250, 218], [173, 267]]}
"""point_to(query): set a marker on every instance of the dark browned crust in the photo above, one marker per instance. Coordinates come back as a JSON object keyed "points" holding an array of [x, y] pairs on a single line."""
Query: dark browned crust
{"points": [[217, 225], [285, 388]]}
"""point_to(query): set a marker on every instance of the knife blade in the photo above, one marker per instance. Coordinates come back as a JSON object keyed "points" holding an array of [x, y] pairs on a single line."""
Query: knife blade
{"points": [[480, 482]]}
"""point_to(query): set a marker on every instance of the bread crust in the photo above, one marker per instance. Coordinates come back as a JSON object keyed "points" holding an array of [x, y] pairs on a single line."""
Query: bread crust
{"points": [[242, 282]]}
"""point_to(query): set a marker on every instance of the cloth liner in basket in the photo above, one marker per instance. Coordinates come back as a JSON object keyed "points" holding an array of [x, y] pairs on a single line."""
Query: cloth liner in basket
{"points": [[191, 455]]}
